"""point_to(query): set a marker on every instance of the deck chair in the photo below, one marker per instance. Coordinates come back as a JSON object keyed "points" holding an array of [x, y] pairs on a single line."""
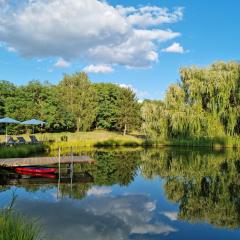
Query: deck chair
{"points": [[10, 140], [21, 140], [33, 139]]}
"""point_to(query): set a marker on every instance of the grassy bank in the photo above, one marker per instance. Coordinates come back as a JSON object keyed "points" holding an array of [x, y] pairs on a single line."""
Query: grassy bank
{"points": [[86, 139], [214, 142], [20, 151], [101, 138], [16, 227]]}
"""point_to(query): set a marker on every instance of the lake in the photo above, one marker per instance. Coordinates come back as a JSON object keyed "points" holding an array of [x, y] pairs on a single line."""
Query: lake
{"points": [[165, 193]]}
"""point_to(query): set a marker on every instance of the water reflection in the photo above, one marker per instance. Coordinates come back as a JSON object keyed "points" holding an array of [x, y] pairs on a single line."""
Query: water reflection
{"points": [[105, 217], [111, 168], [206, 185], [140, 194]]}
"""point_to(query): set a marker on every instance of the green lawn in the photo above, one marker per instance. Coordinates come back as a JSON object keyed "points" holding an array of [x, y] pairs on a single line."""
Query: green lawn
{"points": [[85, 139], [102, 138]]}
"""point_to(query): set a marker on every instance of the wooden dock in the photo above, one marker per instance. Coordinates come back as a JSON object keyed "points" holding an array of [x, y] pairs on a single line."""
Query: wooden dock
{"points": [[36, 161]]}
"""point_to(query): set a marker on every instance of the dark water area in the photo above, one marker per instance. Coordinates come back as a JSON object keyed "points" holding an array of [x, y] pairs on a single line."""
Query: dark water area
{"points": [[133, 194]]}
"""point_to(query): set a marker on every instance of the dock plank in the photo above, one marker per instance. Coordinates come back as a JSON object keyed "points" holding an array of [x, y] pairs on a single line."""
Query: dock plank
{"points": [[35, 161]]}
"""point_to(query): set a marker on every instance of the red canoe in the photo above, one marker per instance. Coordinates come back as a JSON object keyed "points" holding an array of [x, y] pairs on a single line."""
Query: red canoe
{"points": [[35, 170], [42, 175]]}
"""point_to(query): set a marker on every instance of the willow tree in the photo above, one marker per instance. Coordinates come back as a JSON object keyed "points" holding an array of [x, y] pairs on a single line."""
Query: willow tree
{"points": [[155, 119], [206, 103], [183, 120], [216, 90]]}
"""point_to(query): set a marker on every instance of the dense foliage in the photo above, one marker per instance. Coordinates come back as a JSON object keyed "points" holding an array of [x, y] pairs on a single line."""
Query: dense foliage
{"points": [[205, 103], [74, 104], [117, 108]]}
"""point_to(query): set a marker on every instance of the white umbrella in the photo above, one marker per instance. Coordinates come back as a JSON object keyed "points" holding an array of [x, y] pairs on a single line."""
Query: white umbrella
{"points": [[33, 122], [8, 120]]}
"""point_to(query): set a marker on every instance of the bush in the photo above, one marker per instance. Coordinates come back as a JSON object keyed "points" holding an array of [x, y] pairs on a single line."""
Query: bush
{"points": [[107, 143], [64, 138]]}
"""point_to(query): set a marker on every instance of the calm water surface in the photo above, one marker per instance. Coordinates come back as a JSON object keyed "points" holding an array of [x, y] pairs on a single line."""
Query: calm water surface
{"points": [[134, 194]]}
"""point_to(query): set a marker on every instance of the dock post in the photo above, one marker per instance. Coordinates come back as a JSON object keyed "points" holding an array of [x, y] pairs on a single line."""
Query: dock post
{"points": [[71, 172], [59, 171], [59, 159]]}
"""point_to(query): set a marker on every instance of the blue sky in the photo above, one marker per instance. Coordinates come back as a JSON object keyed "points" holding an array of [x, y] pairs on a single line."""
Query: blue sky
{"points": [[37, 46]]}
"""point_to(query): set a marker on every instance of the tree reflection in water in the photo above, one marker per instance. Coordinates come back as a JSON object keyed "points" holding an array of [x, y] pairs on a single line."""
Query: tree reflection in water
{"points": [[205, 184], [111, 167]]}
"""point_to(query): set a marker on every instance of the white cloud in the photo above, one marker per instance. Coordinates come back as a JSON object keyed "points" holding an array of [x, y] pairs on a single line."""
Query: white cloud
{"points": [[141, 94], [99, 191], [151, 206], [156, 34], [173, 216], [61, 63], [153, 15], [153, 229], [11, 49], [123, 85], [174, 48], [98, 69], [92, 30]]}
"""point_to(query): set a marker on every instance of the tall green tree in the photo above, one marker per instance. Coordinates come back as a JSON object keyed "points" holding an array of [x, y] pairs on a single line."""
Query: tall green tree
{"points": [[7, 90], [108, 95], [54, 112], [128, 111], [28, 101], [40, 101], [80, 98]]}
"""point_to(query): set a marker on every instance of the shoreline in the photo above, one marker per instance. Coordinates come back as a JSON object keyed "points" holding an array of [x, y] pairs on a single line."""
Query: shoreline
{"points": [[105, 139]]}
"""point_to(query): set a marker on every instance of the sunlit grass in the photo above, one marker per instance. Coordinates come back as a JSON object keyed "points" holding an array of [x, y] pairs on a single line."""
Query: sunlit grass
{"points": [[102, 138], [98, 138]]}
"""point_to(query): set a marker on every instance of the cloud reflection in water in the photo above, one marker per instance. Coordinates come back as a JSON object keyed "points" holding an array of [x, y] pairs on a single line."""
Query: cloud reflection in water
{"points": [[102, 217]]}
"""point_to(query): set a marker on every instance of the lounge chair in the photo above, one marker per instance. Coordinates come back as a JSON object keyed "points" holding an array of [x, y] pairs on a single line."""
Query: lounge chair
{"points": [[10, 141], [34, 140], [21, 140]]}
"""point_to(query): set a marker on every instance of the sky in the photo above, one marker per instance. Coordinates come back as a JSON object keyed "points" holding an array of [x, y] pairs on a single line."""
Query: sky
{"points": [[139, 44]]}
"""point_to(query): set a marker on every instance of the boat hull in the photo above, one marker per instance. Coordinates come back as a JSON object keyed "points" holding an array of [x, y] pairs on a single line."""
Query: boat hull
{"points": [[35, 170]]}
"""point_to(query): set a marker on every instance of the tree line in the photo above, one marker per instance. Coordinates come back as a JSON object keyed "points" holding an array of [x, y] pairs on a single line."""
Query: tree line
{"points": [[75, 104], [205, 103]]}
